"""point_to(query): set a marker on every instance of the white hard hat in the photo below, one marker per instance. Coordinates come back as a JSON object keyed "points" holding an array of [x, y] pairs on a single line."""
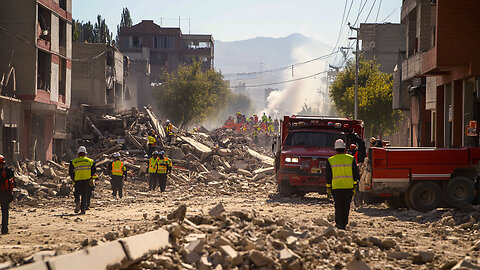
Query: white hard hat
{"points": [[116, 154], [168, 121], [339, 144], [82, 149]]}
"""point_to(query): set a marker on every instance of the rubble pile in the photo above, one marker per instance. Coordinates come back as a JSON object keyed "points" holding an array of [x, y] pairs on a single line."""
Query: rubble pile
{"points": [[247, 240]]}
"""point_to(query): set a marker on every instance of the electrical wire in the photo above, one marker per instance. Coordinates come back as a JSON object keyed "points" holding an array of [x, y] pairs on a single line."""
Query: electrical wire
{"points": [[391, 13], [360, 12], [378, 12], [282, 82], [368, 15]]}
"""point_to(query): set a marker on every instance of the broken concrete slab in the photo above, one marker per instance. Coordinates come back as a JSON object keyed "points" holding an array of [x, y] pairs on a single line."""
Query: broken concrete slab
{"points": [[201, 150], [217, 210], [139, 245], [265, 159]]}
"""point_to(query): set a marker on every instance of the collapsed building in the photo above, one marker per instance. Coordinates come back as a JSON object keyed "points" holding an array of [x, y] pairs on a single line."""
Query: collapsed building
{"points": [[36, 46]]}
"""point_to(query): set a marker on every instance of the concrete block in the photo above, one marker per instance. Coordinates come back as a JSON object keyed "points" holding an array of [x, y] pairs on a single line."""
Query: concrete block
{"points": [[33, 266], [98, 257], [140, 245]]}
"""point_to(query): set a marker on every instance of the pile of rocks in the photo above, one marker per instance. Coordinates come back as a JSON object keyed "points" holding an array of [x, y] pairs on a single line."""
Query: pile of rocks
{"points": [[247, 240]]}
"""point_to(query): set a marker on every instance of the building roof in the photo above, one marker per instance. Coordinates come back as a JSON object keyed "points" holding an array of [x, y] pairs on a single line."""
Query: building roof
{"points": [[149, 27]]}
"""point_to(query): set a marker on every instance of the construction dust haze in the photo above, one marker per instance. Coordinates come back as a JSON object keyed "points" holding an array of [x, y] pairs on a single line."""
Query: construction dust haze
{"points": [[291, 97]]}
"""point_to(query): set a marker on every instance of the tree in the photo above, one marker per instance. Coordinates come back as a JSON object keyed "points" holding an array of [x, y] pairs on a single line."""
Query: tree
{"points": [[83, 32], [375, 94], [101, 32], [125, 21], [191, 95]]}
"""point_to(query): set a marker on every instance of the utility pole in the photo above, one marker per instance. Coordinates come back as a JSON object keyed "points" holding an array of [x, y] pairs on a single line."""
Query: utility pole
{"points": [[355, 110]]}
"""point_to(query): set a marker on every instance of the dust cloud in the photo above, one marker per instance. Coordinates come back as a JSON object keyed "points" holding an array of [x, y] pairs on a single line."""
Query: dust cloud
{"points": [[291, 97]]}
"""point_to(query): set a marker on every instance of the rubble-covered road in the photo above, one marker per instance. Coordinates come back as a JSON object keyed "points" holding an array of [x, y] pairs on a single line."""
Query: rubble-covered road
{"points": [[294, 232]]}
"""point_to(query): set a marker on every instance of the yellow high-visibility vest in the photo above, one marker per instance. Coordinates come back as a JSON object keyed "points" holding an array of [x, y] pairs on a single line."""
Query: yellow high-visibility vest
{"points": [[82, 166], [152, 141], [117, 168], [162, 166], [152, 165], [342, 175]]}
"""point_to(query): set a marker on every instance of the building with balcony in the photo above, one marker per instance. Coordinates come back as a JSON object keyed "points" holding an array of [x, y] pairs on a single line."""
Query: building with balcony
{"points": [[410, 85], [452, 64], [382, 42], [35, 38], [165, 48]]}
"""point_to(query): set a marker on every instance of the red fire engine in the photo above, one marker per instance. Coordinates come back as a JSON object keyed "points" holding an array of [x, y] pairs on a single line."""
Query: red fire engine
{"points": [[303, 147], [421, 178]]}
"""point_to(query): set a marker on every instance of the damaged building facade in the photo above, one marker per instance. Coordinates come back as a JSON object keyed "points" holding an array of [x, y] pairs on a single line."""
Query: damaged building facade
{"points": [[36, 42], [436, 81], [153, 49]]}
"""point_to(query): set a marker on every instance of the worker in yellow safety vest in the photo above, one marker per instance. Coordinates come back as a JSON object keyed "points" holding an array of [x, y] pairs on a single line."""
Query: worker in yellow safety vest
{"points": [[164, 167], [152, 142], [152, 171], [118, 173], [342, 177], [168, 131], [81, 171]]}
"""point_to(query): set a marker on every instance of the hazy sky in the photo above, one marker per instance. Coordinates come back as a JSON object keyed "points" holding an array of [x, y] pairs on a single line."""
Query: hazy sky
{"points": [[230, 20]]}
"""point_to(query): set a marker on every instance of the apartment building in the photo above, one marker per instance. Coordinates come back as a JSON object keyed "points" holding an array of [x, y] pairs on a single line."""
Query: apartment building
{"points": [[410, 85], [165, 48], [452, 64], [36, 39], [382, 42]]}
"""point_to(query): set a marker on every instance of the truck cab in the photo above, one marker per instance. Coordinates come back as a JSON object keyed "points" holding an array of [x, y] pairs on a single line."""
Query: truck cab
{"points": [[303, 147]]}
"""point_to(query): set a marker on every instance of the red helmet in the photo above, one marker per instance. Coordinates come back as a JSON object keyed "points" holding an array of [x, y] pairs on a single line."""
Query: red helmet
{"points": [[2, 159]]}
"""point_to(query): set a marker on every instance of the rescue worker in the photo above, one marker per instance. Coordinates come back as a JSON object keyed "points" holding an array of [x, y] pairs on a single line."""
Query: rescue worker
{"points": [[255, 134], [152, 171], [168, 131], [118, 173], [342, 177], [7, 181], [164, 167], [264, 118], [152, 143], [81, 171], [239, 117], [90, 189], [255, 118], [270, 120]]}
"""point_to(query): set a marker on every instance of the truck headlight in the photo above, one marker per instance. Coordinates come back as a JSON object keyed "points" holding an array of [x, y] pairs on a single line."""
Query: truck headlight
{"points": [[291, 160]]}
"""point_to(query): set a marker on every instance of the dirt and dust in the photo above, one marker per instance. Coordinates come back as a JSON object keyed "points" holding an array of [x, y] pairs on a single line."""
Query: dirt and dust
{"points": [[234, 217]]}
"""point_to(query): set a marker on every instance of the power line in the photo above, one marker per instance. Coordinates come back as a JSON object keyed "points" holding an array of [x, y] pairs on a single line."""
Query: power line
{"points": [[378, 12], [391, 13], [282, 68], [360, 12], [341, 24], [275, 83], [366, 19]]}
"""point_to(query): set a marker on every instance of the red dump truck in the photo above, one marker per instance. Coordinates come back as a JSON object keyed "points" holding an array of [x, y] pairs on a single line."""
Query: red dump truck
{"points": [[302, 148], [421, 178]]}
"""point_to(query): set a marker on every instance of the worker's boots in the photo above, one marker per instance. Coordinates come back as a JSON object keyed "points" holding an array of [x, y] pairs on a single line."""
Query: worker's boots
{"points": [[77, 207]]}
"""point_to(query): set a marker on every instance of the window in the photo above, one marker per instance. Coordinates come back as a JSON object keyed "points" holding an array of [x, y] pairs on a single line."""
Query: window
{"points": [[62, 78], [136, 42], [62, 37], [43, 23], [63, 4], [164, 42], [313, 138], [44, 71]]}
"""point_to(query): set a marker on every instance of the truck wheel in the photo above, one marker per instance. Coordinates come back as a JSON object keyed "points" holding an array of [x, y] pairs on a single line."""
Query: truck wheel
{"points": [[425, 196], [459, 190], [284, 188]]}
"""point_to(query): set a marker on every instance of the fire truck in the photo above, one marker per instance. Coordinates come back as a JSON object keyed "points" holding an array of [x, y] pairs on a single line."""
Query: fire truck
{"points": [[422, 178], [302, 148]]}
